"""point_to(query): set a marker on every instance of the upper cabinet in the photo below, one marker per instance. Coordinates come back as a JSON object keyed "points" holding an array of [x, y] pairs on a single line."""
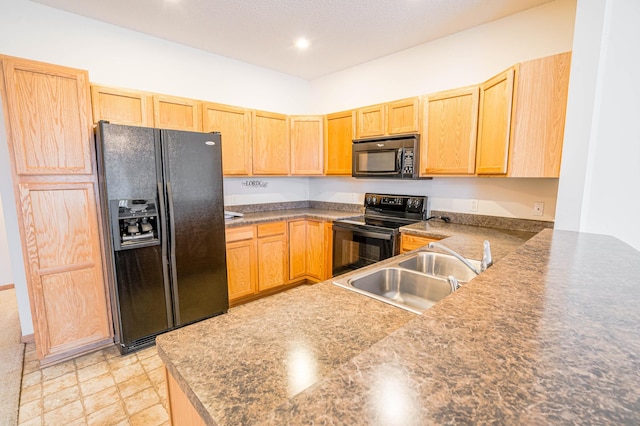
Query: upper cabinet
{"points": [[338, 138], [371, 121], [170, 112], [270, 143], [121, 106], [494, 128], [540, 108], [235, 126], [403, 116], [50, 117], [306, 142], [448, 144]]}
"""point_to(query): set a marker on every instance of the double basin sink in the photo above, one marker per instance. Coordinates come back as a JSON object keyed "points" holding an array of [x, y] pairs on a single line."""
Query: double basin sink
{"points": [[413, 283]]}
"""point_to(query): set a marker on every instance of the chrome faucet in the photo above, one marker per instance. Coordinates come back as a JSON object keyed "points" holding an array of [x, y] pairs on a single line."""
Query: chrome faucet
{"points": [[486, 256]]}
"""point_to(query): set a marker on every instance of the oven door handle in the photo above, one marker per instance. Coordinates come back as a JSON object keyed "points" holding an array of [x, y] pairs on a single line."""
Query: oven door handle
{"points": [[366, 234]]}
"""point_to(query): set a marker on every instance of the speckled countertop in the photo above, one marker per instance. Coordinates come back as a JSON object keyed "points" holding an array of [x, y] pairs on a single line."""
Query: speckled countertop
{"points": [[548, 335], [288, 214]]}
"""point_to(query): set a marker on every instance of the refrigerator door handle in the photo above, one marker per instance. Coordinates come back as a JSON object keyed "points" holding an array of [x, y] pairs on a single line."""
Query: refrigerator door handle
{"points": [[165, 264], [172, 256]]}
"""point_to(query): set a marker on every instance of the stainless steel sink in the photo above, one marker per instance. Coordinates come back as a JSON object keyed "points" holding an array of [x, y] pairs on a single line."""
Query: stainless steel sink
{"points": [[441, 265], [406, 289]]}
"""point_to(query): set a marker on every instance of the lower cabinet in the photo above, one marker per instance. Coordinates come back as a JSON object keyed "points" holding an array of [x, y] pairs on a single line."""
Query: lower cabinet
{"points": [[242, 262], [411, 242], [308, 250], [272, 255]]}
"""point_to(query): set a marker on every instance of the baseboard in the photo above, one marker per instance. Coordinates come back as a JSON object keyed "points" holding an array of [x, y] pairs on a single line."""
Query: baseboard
{"points": [[29, 338], [6, 287]]}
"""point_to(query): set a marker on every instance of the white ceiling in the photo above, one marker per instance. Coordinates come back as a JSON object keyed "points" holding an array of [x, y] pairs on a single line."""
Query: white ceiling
{"points": [[343, 33]]}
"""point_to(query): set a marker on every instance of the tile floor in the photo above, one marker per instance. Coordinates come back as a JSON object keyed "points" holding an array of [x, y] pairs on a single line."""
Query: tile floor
{"points": [[101, 388]]}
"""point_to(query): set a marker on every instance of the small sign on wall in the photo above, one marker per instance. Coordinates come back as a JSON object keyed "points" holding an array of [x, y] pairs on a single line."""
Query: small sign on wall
{"points": [[255, 183]]}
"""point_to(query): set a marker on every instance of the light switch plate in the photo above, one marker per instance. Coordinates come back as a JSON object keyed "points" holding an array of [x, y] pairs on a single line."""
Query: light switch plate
{"points": [[538, 209]]}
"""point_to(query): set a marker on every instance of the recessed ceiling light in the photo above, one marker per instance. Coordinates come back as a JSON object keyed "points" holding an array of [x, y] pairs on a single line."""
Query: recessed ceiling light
{"points": [[302, 43]]}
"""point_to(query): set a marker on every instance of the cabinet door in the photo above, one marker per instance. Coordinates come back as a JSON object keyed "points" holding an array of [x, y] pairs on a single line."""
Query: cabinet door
{"points": [[403, 116], [65, 268], [540, 108], [235, 126], [270, 143], [338, 138], [272, 261], [410, 242], [120, 106], [242, 258], [450, 132], [370, 121], [315, 250], [170, 112], [328, 250], [49, 113], [306, 145], [297, 249], [496, 99]]}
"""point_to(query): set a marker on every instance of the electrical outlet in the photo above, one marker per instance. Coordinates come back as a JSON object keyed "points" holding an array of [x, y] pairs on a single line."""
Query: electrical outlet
{"points": [[538, 209], [473, 207]]}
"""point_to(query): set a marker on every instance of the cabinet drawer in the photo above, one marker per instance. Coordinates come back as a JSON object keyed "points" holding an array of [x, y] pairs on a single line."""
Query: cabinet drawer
{"points": [[412, 242], [272, 228], [240, 233]]}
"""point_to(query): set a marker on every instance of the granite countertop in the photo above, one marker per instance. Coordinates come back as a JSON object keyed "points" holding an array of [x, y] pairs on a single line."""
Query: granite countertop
{"points": [[549, 334], [288, 214]]}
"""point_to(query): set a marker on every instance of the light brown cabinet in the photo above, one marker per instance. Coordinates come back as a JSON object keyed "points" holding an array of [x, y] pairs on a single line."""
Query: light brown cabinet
{"points": [[171, 112], [371, 121], [235, 126], [448, 144], [308, 250], [403, 116], [306, 141], [270, 143], [338, 138], [121, 106], [242, 262], [410, 242], [49, 133], [272, 255]]}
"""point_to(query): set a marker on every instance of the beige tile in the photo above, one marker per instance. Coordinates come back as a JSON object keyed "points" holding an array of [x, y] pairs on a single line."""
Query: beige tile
{"points": [[123, 374], [89, 359], [30, 366], [122, 361], [157, 376], [134, 385], [30, 411], [58, 370], [31, 379], [59, 383], [60, 398], [151, 363], [153, 416], [111, 352], [80, 422], [65, 414], [96, 384], [37, 421], [147, 352], [141, 400], [100, 400], [107, 416], [92, 371], [31, 393]]}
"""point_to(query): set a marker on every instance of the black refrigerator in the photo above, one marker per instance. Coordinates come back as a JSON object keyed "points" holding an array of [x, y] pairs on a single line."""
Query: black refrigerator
{"points": [[161, 192]]}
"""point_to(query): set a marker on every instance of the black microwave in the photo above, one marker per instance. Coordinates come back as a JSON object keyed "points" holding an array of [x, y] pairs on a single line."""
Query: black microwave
{"points": [[389, 157]]}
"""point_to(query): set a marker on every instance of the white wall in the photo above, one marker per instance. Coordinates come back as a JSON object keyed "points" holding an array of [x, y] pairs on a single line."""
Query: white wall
{"points": [[599, 184], [255, 189], [6, 277]]}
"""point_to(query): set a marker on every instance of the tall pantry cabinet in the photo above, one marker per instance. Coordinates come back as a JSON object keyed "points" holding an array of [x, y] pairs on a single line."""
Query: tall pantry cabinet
{"points": [[48, 123]]}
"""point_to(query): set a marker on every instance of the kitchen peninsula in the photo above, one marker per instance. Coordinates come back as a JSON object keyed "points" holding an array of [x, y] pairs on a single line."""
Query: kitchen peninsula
{"points": [[549, 334]]}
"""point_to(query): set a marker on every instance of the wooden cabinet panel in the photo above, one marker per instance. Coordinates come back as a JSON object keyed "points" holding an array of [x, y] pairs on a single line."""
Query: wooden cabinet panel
{"points": [[371, 121], [242, 259], [494, 128], [272, 261], [65, 266], [403, 116], [315, 250], [49, 117], [121, 106], [540, 107], [235, 126], [270, 143], [448, 144], [297, 249], [306, 145], [271, 228], [328, 250], [338, 138], [411, 242], [181, 411], [170, 112]]}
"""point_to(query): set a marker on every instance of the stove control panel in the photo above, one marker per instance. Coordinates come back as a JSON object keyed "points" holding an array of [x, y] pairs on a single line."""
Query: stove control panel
{"points": [[382, 203]]}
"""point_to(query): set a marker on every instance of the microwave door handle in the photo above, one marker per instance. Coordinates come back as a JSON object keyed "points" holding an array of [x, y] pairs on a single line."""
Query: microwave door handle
{"points": [[399, 160]]}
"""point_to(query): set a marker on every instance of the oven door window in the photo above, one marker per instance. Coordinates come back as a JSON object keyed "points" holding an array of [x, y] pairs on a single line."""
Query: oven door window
{"points": [[353, 249], [384, 161]]}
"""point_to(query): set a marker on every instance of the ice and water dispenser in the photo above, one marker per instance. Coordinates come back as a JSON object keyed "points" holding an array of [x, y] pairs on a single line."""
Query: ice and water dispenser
{"points": [[134, 223]]}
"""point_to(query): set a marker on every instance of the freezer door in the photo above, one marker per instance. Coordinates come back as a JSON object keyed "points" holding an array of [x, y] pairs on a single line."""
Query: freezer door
{"points": [[193, 174]]}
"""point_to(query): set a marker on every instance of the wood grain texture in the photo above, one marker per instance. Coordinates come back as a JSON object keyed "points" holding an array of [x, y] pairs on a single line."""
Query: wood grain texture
{"points": [[235, 126], [410, 242], [494, 128], [298, 253], [271, 228], [49, 116], [338, 139], [450, 132], [540, 108], [306, 140], [240, 233], [181, 411], [242, 262], [315, 250], [371, 121], [328, 250], [272, 261], [170, 112], [270, 143], [121, 106], [403, 116]]}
